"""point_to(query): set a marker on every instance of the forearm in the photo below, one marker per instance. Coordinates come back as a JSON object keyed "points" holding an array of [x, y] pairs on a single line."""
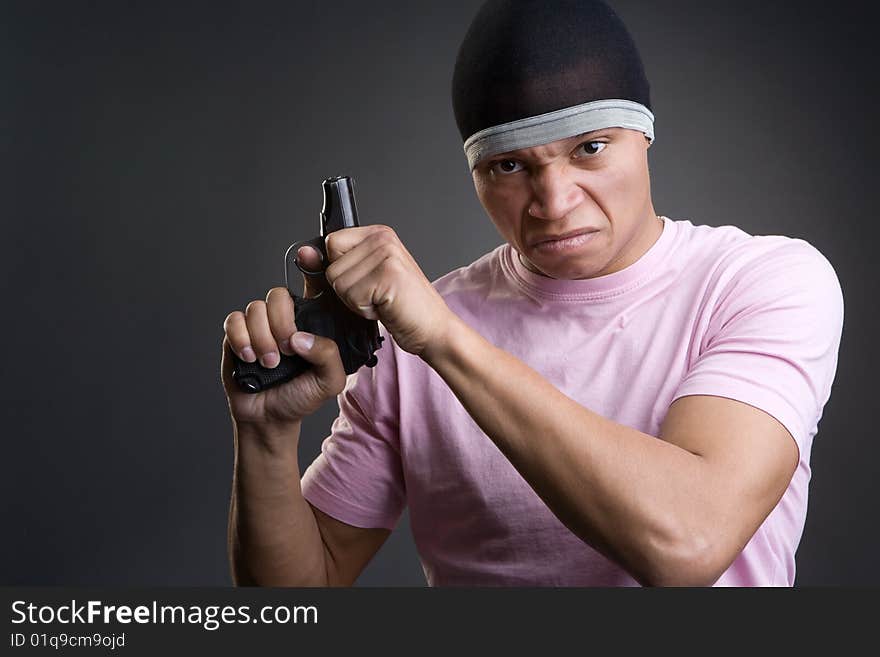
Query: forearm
{"points": [[631, 496], [274, 539]]}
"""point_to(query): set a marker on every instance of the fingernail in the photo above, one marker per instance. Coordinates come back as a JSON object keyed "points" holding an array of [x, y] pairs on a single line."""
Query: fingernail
{"points": [[302, 341], [270, 360], [248, 355], [284, 345]]}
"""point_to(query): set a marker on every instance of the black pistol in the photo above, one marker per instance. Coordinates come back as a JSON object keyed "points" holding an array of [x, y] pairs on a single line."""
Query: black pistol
{"points": [[325, 314]]}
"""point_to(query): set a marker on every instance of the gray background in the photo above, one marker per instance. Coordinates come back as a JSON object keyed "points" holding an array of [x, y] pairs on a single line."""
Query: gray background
{"points": [[158, 158]]}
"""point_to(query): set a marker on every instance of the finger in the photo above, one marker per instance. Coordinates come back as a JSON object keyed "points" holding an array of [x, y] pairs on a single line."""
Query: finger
{"points": [[309, 258], [323, 354], [238, 337], [340, 242], [369, 245], [280, 311], [364, 285], [226, 364], [262, 340]]}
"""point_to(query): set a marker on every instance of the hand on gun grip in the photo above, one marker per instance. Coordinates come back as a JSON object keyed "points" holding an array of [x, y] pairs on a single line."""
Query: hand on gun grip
{"points": [[286, 336]]}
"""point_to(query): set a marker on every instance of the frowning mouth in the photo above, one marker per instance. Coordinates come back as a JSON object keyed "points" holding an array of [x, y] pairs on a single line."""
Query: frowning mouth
{"points": [[550, 239]]}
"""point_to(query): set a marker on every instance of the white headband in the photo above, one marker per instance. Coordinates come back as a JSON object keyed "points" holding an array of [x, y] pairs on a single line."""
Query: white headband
{"points": [[560, 124]]}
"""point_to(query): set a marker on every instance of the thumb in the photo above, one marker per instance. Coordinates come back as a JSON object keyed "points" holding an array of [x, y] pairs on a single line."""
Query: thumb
{"points": [[323, 354]]}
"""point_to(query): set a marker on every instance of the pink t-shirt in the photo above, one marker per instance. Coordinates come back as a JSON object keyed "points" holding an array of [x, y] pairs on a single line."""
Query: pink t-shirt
{"points": [[706, 310]]}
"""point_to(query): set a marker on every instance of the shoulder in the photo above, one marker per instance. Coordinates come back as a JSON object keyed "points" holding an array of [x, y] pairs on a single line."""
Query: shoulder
{"points": [[729, 245], [737, 261], [778, 297]]}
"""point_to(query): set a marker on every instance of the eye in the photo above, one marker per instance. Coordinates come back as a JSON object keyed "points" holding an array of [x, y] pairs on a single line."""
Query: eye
{"points": [[505, 167], [589, 148]]}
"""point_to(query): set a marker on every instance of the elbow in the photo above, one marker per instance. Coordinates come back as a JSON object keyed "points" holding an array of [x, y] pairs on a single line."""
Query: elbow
{"points": [[687, 562]]}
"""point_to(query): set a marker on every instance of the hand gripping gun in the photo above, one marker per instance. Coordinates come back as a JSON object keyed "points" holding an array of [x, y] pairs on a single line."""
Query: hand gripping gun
{"points": [[325, 314]]}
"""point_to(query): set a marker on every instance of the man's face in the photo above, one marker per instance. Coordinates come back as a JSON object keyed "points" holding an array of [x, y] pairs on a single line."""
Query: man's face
{"points": [[595, 186]]}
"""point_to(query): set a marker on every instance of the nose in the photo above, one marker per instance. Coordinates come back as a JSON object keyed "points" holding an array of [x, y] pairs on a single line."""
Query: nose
{"points": [[555, 193]]}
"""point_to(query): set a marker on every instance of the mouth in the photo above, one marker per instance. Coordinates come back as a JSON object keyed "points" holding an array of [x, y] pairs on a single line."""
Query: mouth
{"points": [[549, 239]]}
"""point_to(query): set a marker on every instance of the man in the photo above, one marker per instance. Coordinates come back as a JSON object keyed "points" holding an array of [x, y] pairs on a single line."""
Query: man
{"points": [[609, 398]]}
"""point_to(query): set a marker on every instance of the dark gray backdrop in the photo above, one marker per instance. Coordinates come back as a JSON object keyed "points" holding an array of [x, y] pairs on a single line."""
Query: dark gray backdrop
{"points": [[158, 158]]}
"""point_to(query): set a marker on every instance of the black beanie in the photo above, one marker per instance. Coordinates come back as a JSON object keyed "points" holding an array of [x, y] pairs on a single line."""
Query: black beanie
{"points": [[522, 58]]}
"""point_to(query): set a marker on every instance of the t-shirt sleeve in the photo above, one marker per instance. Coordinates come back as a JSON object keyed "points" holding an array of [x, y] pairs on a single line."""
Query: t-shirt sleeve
{"points": [[773, 337], [358, 476]]}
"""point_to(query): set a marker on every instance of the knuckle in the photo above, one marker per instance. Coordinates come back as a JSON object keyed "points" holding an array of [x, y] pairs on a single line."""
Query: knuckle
{"points": [[333, 382], [233, 320], [255, 307], [276, 294], [341, 287], [327, 346], [387, 250], [386, 235], [337, 384], [392, 265]]}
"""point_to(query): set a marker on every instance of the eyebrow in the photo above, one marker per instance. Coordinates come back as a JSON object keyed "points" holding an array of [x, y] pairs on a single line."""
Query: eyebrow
{"points": [[584, 136], [601, 132]]}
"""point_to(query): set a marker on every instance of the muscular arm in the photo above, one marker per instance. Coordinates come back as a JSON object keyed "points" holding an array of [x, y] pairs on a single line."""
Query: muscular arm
{"points": [[677, 510], [276, 538]]}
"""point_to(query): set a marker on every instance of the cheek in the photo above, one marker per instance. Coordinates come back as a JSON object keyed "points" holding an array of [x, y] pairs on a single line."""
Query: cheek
{"points": [[489, 198], [500, 204], [625, 185]]}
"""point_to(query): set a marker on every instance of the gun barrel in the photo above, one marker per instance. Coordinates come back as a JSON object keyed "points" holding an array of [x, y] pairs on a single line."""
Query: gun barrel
{"points": [[339, 209]]}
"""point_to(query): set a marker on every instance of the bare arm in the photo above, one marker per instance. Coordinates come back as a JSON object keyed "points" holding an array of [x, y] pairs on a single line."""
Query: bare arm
{"points": [[670, 509], [276, 538], [675, 510]]}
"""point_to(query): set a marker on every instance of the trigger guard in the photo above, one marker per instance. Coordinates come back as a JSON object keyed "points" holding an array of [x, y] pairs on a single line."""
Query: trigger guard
{"points": [[290, 258]]}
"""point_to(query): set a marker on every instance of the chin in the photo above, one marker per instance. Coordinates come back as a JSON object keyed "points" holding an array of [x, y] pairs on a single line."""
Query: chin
{"points": [[580, 274], [567, 271]]}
